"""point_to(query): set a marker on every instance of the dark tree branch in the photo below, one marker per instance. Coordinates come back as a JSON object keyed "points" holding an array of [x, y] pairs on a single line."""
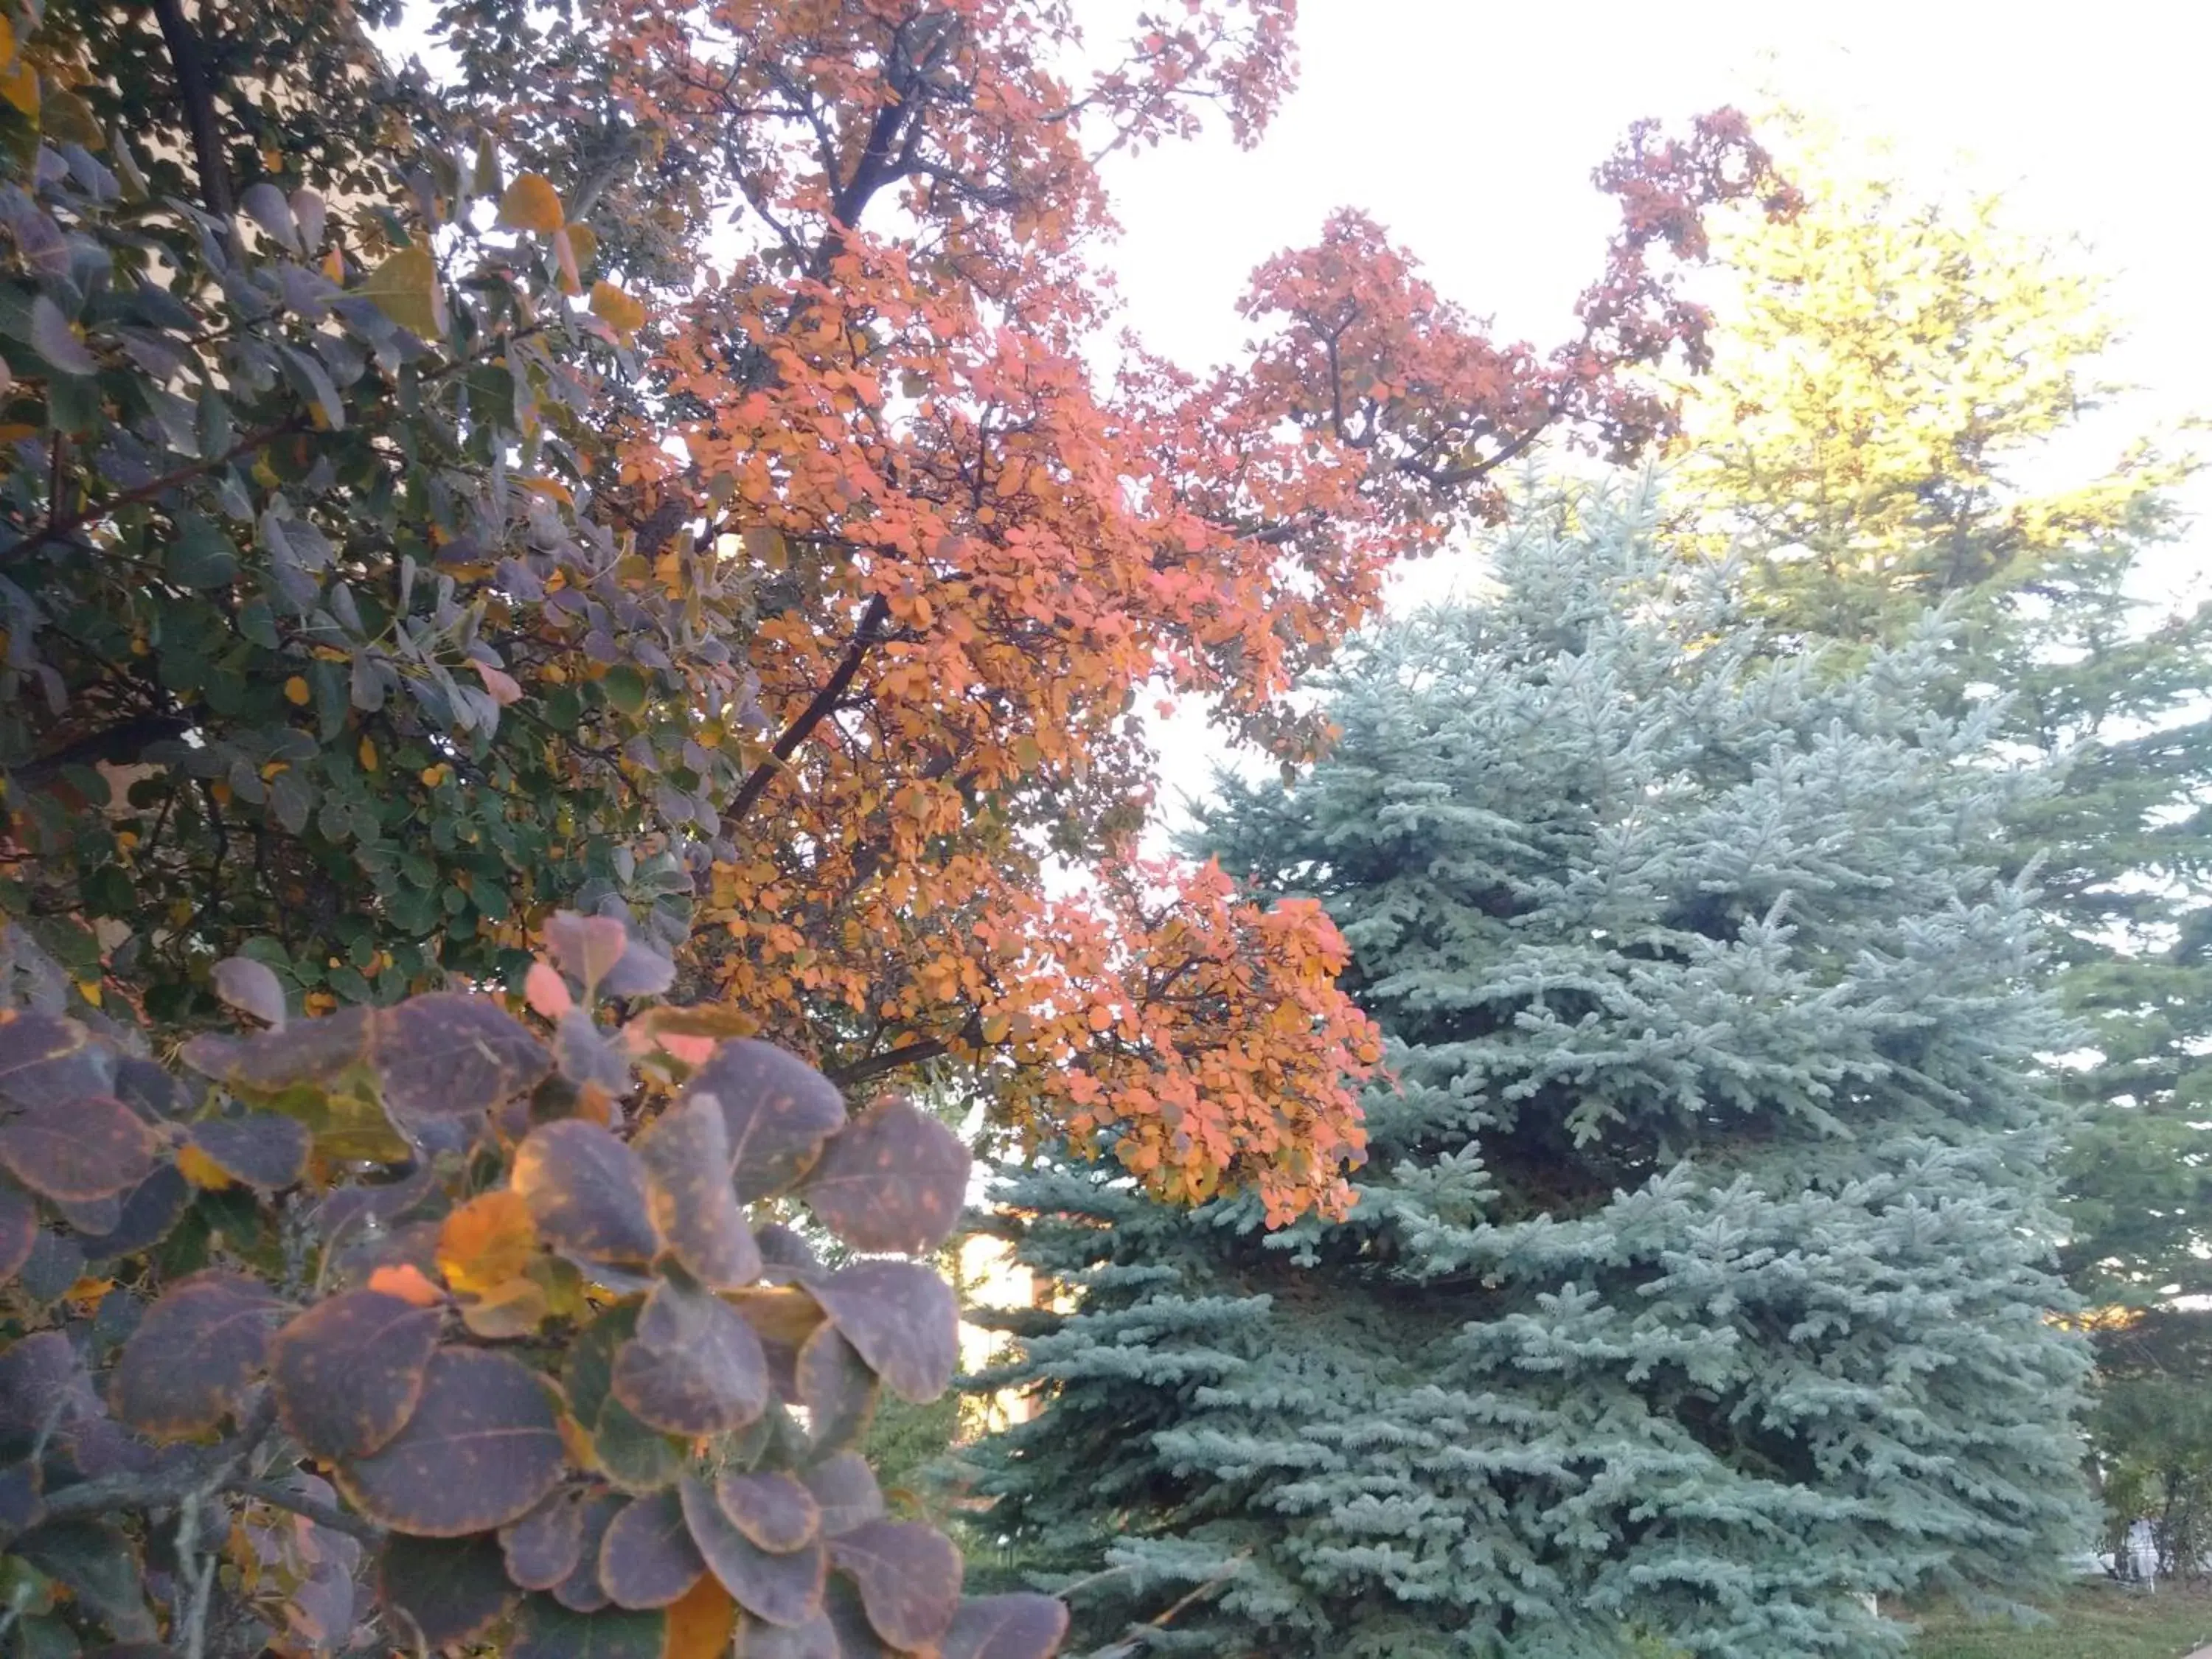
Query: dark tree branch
{"points": [[871, 622], [197, 96], [57, 529], [910, 1054]]}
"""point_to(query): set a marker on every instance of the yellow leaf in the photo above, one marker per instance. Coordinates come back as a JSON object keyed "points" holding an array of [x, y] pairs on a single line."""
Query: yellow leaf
{"points": [[202, 1171], [487, 1242], [616, 309], [434, 775], [19, 85], [405, 288], [699, 1622], [334, 265], [531, 204], [367, 753], [89, 990], [583, 243], [7, 41], [296, 692]]}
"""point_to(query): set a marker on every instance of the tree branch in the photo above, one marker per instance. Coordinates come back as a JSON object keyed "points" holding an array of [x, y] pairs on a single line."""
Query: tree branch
{"points": [[56, 530], [197, 96], [872, 621], [907, 1053]]}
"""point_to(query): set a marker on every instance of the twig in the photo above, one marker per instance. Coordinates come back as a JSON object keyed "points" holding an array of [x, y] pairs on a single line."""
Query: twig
{"points": [[55, 529], [322, 1514], [812, 715]]}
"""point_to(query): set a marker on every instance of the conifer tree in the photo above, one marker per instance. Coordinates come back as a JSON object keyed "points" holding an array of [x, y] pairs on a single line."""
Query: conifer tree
{"points": [[1893, 416], [1696, 1285]]}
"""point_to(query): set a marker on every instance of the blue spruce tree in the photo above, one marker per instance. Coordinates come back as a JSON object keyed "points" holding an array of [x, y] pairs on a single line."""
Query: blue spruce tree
{"points": [[1696, 1285]]}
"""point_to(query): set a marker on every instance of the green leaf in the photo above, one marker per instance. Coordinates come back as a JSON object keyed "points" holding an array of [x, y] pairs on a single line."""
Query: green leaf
{"points": [[447, 1591], [405, 287], [201, 556], [546, 1630], [52, 338], [625, 688]]}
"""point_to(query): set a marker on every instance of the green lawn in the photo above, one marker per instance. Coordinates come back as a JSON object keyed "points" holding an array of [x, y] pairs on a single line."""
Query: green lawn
{"points": [[2097, 1621]]}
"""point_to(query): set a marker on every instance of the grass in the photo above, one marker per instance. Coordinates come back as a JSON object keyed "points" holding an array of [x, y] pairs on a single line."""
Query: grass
{"points": [[2096, 1621]]}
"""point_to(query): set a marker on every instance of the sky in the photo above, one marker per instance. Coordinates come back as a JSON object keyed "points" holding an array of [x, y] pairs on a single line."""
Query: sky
{"points": [[1470, 131]]}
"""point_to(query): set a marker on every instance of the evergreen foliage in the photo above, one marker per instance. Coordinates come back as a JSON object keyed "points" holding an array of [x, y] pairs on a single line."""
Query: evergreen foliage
{"points": [[1697, 1283], [1890, 419]]}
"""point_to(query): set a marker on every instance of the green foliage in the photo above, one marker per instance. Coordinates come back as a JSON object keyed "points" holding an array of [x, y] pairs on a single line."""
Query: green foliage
{"points": [[311, 605], [565, 1394], [1699, 1278], [1880, 430]]}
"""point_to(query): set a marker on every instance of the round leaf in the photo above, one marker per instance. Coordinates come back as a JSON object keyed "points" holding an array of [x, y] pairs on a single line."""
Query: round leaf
{"points": [[544, 1546], [894, 1179], [587, 1192], [776, 1111], [845, 1489], [1019, 1626], [193, 1354], [686, 1155], [77, 1150], [44, 1058], [838, 1390], [348, 1371], [482, 1448], [909, 1576], [447, 1591], [250, 987], [695, 1366], [259, 1149], [449, 1054], [531, 204], [902, 1318], [774, 1510], [546, 1630], [647, 1559], [783, 1589], [18, 1229], [581, 1590]]}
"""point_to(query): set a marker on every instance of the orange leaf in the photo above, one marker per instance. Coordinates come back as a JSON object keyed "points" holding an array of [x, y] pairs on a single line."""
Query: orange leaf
{"points": [[407, 1282], [616, 309], [531, 204], [700, 1622], [488, 1242]]}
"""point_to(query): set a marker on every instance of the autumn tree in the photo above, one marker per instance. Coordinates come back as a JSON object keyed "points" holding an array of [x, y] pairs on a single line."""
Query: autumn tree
{"points": [[1896, 416], [480, 521]]}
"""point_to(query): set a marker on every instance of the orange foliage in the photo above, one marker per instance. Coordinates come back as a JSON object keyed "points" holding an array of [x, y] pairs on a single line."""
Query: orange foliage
{"points": [[970, 560]]}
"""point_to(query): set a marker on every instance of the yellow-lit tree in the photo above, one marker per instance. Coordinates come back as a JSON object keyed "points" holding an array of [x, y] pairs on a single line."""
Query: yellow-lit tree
{"points": [[1895, 415]]}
